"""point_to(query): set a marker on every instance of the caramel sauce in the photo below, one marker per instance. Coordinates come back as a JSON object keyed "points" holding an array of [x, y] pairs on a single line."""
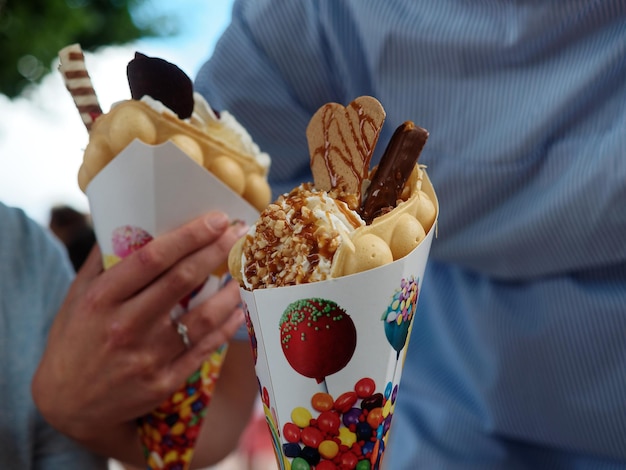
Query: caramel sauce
{"points": [[294, 255], [335, 152]]}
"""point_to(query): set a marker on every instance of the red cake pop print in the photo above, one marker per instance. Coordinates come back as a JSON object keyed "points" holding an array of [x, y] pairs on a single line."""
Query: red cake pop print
{"points": [[127, 239], [317, 336]]}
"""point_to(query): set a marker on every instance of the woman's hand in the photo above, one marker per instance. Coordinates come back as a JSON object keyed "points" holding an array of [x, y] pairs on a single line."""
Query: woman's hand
{"points": [[113, 353]]}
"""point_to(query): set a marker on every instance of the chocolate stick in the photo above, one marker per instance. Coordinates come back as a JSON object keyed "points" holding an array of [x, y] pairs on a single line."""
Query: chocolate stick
{"points": [[394, 168]]}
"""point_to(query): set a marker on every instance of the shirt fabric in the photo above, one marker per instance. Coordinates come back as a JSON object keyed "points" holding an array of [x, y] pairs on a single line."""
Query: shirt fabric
{"points": [[34, 277], [518, 353]]}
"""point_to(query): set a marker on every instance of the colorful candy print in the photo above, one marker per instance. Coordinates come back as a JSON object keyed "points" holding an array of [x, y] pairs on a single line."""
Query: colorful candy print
{"points": [[168, 434], [348, 433]]}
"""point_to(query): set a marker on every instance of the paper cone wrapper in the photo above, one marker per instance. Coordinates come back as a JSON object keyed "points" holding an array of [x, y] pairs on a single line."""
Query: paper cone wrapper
{"points": [[329, 357], [142, 193]]}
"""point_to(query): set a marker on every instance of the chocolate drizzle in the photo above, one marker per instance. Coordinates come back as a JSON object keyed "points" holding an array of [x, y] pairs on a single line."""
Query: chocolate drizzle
{"points": [[395, 166], [358, 167], [293, 243], [341, 143]]}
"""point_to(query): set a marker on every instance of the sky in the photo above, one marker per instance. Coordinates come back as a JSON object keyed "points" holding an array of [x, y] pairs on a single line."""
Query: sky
{"points": [[42, 137]]}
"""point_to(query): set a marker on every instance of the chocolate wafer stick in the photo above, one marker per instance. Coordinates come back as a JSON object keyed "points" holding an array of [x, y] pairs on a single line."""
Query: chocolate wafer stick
{"points": [[394, 168], [78, 83]]}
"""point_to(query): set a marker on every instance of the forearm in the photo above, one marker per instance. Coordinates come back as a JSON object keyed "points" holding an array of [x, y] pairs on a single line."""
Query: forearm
{"points": [[227, 415], [120, 443]]}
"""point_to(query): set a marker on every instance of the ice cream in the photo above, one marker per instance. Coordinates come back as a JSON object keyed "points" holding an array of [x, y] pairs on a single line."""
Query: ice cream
{"points": [[165, 108], [350, 219], [296, 238]]}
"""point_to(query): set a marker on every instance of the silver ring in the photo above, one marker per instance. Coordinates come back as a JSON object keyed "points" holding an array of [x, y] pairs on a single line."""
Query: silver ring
{"points": [[182, 330]]}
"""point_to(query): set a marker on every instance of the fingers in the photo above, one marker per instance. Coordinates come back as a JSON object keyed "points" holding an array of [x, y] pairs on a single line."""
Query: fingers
{"points": [[148, 263], [141, 290], [188, 274], [209, 326]]}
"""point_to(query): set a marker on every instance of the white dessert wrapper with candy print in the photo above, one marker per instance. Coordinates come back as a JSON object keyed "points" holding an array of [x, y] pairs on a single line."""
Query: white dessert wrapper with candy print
{"points": [[155, 189], [380, 303]]}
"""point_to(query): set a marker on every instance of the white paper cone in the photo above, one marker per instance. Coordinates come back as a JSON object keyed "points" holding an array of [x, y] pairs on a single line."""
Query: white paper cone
{"points": [[157, 188], [318, 390], [142, 193]]}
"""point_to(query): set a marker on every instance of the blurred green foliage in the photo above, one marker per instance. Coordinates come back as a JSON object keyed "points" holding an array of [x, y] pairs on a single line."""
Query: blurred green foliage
{"points": [[33, 31]]}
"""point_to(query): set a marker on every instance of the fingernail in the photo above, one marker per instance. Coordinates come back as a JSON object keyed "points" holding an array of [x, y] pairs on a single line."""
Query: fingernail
{"points": [[241, 228], [217, 221]]}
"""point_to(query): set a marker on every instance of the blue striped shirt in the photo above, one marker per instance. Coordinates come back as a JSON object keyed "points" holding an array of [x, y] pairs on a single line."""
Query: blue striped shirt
{"points": [[34, 277], [518, 354]]}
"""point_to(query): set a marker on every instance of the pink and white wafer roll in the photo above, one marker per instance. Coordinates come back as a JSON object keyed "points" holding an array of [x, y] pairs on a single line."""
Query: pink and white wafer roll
{"points": [[78, 83]]}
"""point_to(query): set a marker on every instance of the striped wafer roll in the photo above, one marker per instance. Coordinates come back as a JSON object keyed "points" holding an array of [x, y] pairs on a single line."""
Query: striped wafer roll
{"points": [[78, 83]]}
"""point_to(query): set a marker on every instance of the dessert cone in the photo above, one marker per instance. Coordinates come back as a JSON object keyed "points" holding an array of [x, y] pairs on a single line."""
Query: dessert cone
{"points": [[329, 357], [168, 434], [145, 172], [144, 192]]}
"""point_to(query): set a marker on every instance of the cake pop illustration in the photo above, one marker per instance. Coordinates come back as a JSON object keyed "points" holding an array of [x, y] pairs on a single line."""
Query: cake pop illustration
{"points": [[318, 337], [127, 239], [399, 313]]}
